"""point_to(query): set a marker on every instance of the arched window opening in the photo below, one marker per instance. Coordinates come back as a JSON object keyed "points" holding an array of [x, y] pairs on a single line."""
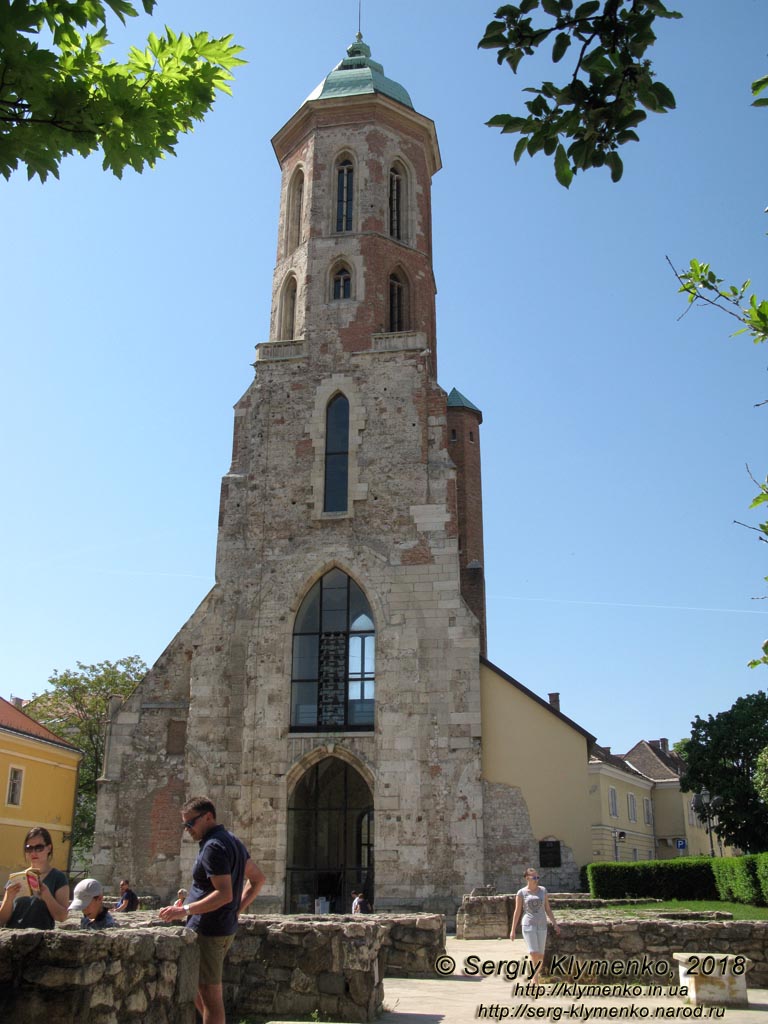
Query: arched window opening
{"points": [[295, 234], [342, 283], [288, 311], [344, 195], [336, 455], [334, 662], [396, 202], [330, 839], [398, 304]]}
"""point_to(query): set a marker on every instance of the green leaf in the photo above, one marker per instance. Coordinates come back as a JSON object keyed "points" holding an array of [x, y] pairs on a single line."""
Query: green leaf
{"points": [[563, 170], [759, 85], [551, 7], [760, 103], [520, 148], [615, 163], [562, 43], [663, 95], [586, 10]]}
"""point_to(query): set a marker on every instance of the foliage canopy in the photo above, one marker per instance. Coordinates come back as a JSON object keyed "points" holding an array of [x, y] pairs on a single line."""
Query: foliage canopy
{"points": [[75, 708], [722, 757], [58, 96]]}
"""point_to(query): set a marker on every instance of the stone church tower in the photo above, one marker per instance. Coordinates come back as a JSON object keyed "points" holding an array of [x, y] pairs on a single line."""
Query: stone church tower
{"points": [[326, 693]]}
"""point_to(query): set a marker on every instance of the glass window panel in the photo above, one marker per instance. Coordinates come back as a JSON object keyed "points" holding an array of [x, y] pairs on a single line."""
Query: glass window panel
{"points": [[304, 704], [361, 712], [337, 426], [355, 655], [308, 619], [305, 651], [370, 655], [359, 608]]}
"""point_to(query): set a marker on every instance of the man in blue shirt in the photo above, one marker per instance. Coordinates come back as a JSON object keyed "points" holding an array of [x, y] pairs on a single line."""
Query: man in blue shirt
{"points": [[224, 882]]}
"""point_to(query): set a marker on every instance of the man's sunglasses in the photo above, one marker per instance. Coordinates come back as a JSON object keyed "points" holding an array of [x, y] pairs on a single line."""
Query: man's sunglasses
{"points": [[37, 848], [191, 822]]}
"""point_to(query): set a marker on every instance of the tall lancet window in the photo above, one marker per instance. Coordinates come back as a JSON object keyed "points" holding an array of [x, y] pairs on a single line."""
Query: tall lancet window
{"points": [[336, 455], [396, 202], [295, 232], [344, 195], [334, 669], [398, 304], [288, 311]]}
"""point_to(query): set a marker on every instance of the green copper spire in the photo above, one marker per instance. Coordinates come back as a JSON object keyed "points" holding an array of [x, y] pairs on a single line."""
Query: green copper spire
{"points": [[359, 75]]}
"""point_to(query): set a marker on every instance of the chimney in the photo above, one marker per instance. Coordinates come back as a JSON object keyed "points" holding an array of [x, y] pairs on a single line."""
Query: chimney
{"points": [[554, 700], [607, 750], [664, 744], [17, 702]]}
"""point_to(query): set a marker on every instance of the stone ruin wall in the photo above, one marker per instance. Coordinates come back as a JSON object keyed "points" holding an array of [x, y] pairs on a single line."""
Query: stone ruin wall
{"points": [[278, 967]]}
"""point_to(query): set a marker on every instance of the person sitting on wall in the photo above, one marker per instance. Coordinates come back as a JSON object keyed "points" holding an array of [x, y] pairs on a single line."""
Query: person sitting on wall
{"points": [[89, 900], [129, 901], [50, 888], [182, 897]]}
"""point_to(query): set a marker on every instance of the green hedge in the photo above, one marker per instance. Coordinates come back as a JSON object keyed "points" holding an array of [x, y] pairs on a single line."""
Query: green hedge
{"points": [[761, 870], [684, 878], [737, 878]]}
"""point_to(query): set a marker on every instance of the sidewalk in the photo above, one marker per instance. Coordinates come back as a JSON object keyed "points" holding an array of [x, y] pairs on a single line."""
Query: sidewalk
{"points": [[462, 998]]}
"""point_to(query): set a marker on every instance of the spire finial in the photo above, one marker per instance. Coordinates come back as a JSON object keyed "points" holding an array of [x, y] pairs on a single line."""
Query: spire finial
{"points": [[359, 20]]}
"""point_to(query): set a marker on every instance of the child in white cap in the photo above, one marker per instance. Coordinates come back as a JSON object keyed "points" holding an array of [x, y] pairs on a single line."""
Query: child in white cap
{"points": [[89, 900]]}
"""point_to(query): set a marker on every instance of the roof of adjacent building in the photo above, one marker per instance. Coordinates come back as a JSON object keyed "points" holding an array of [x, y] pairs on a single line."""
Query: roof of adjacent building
{"points": [[359, 75], [654, 759], [603, 755], [15, 720], [458, 401]]}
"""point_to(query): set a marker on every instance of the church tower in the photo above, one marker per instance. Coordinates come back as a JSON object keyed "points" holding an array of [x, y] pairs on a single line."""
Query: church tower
{"points": [[326, 693]]}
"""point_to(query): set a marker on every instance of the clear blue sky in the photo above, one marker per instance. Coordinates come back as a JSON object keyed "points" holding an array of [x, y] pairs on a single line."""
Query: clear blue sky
{"points": [[614, 438]]}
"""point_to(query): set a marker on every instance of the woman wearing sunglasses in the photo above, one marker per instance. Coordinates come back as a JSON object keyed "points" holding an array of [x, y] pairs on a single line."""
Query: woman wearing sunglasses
{"points": [[51, 901], [532, 904]]}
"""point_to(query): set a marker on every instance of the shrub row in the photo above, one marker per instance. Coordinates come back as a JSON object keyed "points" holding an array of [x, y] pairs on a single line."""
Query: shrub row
{"points": [[738, 879], [684, 878]]}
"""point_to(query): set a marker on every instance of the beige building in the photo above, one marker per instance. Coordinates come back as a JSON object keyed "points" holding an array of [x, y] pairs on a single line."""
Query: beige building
{"points": [[331, 693], [679, 831], [622, 811]]}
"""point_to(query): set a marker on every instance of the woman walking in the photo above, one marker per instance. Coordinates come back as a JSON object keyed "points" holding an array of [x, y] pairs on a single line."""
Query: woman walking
{"points": [[532, 905]]}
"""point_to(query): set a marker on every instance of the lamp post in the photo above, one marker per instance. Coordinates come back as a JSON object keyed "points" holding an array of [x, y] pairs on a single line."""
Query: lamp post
{"points": [[706, 806]]}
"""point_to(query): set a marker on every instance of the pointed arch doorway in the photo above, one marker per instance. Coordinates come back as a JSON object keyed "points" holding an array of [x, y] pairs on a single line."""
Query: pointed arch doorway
{"points": [[330, 838]]}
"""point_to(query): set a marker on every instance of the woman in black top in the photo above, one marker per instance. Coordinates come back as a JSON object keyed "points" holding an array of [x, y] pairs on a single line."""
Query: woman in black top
{"points": [[51, 903]]}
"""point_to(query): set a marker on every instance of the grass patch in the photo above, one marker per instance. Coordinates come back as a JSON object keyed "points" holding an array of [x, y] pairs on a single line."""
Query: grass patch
{"points": [[740, 911]]}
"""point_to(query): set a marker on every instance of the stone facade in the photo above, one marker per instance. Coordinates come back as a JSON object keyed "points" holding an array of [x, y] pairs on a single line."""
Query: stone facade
{"points": [[227, 710], [214, 714]]}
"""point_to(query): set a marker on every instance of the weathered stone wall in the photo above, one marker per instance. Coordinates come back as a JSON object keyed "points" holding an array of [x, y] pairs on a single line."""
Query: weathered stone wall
{"points": [[630, 940], [278, 967], [144, 976], [227, 674]]}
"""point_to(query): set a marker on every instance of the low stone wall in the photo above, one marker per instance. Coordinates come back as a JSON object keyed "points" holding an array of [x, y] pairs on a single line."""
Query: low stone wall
{"points": [[294, 966], [490, 917], [646, 943], [109, 977], [279, 966]]}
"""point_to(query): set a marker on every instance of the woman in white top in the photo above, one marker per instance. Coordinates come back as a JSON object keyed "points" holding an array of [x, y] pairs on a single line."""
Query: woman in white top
{"points": [[532, 904]]}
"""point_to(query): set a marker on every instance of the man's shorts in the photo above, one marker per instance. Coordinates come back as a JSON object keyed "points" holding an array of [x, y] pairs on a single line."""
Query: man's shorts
{"points": [[213, 949]]}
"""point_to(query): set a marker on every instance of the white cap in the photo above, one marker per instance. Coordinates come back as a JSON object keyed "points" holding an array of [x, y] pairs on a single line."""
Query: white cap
{"points": [[85, 891]]}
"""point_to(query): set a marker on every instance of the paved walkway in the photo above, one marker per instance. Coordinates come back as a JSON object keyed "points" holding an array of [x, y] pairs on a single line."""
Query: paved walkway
{"points": [[462, 998]]}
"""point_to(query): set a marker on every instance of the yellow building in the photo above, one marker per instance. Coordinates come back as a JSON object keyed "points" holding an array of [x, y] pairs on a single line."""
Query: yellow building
{"points": [[679, 830], [534, 762], [38, 772], [621, 802]]}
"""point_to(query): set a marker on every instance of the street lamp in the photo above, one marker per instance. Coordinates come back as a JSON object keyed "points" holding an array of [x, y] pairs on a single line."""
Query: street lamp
{"points": [[706, 807]]}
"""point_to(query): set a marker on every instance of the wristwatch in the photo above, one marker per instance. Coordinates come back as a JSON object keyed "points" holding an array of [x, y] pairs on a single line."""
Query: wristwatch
{"points": [[185, 908]]}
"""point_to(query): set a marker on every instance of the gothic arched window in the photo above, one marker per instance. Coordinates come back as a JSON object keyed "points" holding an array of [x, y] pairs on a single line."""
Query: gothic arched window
{"points": [[398, 303], [333, 673], [295, 228], [336, 455], [342, 283], [344, 195], [288, 310], [397, 199]]}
